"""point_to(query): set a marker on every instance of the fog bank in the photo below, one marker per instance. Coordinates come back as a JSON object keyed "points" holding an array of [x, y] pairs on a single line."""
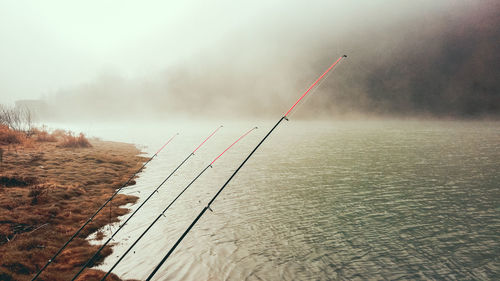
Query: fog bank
{"points": [[405, 60]]}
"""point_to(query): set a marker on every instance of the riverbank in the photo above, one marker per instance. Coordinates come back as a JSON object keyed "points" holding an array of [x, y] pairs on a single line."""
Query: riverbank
{"points": [[48, 189]]}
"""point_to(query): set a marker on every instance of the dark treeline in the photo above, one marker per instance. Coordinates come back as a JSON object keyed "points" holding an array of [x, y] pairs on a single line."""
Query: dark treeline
{"points": [[449, 66]]}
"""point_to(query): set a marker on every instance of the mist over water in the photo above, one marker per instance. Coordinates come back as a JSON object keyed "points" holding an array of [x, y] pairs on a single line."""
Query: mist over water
{"points": [[425, 59]]}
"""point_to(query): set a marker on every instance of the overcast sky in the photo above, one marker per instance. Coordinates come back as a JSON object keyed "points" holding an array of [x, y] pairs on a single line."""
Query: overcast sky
{"points": [[50, 46]]}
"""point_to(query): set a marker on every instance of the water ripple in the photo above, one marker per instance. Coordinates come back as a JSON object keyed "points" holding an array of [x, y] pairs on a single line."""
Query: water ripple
{"points": [[322, 201]]}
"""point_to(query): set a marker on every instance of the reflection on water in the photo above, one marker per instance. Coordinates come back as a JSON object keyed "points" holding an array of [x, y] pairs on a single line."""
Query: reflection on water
{"points": [[322, 201]]}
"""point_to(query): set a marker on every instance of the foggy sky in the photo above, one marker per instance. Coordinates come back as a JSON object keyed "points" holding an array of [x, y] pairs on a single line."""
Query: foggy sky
{"points": [[153, 58]]}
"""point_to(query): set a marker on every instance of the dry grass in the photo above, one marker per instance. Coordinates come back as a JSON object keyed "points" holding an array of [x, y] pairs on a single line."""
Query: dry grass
{"points": [[11, 137], [47, 193], [44, 136], [79, 141], [66, 139]]}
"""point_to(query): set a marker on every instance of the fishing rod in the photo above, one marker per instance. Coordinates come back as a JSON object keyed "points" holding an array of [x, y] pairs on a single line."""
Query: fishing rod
{"points": [[207, 207], [171, 203], [99, 210], [92, 259]]}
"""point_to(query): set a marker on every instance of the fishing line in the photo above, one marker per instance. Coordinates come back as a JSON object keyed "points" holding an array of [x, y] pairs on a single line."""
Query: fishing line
{"points": [[99, 210], [207, 207], [92, 259], [171, 203]]}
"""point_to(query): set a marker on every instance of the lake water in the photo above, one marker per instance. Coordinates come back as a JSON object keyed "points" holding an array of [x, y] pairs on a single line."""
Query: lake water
{"points": [[350, 200]]}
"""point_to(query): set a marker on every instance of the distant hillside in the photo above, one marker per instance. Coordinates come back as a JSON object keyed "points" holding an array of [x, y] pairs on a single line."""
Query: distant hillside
{"points": [[448, 66]]}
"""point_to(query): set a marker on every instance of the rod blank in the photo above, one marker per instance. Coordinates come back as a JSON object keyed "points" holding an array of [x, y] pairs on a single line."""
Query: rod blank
{"points": [[89, 261], [171, 203], [98, 211], [284, 117]]}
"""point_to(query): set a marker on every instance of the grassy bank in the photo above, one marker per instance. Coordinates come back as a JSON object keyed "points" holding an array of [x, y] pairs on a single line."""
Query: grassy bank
{"points": [[50, 184]]}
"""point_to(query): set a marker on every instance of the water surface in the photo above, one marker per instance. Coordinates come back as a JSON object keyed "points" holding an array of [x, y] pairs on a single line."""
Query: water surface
{"points": [[377, 200]]}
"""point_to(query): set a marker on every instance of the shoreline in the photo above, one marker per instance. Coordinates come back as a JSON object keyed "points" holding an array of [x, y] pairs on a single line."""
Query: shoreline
{"points": [[47, 192]]}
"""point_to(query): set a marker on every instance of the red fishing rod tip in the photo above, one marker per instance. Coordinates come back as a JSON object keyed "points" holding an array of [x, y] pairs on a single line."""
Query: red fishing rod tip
{"points": [[207, 138], [166, 143], [314, 84], [244, 135]]}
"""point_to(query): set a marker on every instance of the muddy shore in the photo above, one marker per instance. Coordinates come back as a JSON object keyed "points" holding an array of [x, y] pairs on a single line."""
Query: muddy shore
{"points": [[47, 192]]}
